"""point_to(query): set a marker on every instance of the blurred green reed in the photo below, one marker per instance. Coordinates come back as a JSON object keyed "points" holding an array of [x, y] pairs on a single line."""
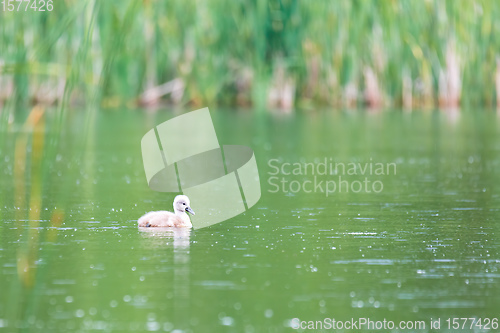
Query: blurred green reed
{"points": [[233, 52]]}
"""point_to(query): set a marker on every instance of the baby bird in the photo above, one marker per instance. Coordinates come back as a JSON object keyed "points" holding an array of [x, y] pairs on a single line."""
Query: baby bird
{"points": [[164, 218]]}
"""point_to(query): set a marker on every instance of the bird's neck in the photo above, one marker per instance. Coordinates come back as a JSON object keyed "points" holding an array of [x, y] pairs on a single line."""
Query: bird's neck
{"points": [[183, 215]]}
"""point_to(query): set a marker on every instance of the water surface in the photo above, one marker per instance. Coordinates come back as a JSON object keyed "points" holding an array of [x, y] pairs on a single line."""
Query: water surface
{"points": [[73, 259]]}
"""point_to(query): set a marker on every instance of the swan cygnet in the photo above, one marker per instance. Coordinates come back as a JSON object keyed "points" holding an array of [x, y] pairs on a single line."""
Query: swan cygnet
{"points": [[163, 218]]}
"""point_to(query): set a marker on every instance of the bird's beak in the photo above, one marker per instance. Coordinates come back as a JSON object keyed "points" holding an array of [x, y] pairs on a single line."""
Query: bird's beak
{"points": [[189, 210]]}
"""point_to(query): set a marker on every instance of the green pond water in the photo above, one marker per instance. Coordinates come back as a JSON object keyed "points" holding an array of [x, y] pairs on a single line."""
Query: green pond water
{"points": [[424, 247]]}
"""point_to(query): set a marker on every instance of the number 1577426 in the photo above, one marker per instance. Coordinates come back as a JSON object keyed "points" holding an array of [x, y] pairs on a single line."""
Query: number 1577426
{"points": [[27, 5]]}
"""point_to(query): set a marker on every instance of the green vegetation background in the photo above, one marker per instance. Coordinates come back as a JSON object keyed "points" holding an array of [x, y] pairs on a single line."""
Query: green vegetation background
{"points": [[284, 53]]}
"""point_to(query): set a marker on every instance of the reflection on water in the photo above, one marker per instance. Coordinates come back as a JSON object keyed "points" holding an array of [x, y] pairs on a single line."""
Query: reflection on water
{"points": [[179, 240], [177, 237], [425, 247]]}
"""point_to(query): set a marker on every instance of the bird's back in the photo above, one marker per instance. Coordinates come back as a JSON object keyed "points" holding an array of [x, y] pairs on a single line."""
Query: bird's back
{"points": [[161, 218]]}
